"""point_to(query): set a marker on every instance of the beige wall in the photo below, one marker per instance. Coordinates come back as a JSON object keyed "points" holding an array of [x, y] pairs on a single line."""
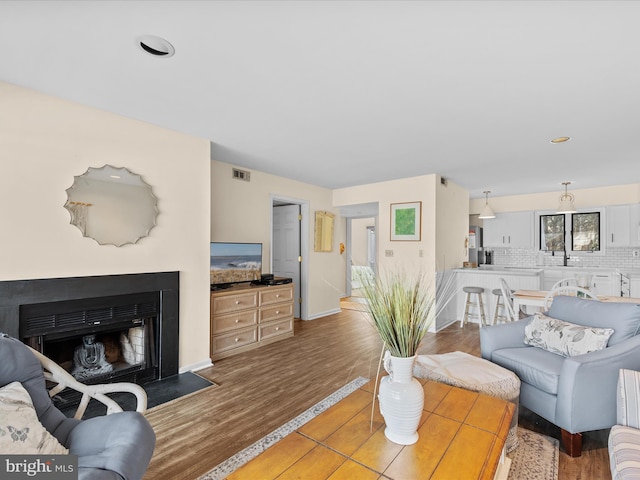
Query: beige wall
{"points": [[241, 212], [45, 142], [587, 197], [406, 255], [452, 226], [445, 217]]}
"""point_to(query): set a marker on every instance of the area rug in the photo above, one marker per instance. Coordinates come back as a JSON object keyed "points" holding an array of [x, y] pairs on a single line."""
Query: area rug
{"points": [[536, 457], [231, 464]]}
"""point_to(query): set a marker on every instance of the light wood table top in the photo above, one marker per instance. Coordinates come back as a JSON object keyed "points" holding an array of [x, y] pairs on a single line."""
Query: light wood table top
{"points": [[536, 298], [462, 435]]}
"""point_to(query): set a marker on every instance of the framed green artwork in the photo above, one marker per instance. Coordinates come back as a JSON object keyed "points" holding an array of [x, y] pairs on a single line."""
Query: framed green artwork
{"points": [[405, 221]]}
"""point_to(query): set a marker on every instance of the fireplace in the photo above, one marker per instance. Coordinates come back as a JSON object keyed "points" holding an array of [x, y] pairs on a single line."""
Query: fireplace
{"points": [[97, 340], [101, 328]]}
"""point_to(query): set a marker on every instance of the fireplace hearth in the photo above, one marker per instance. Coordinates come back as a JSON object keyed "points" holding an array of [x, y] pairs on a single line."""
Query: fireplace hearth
{"points": [[100, 328]]}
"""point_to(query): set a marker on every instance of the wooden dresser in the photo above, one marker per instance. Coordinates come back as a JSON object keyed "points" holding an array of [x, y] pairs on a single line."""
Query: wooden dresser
{"points": [[249, 316]]}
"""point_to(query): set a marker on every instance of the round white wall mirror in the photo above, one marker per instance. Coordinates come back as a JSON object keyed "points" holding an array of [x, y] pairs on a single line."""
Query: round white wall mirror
{"points": [[111, 205]]}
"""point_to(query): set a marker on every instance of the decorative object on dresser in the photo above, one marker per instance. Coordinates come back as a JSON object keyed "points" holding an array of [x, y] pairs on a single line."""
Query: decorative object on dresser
{"points": [[248, 316]]}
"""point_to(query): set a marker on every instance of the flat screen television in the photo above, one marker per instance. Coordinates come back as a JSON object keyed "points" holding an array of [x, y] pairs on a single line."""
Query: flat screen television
{"points": [[233, 263]]}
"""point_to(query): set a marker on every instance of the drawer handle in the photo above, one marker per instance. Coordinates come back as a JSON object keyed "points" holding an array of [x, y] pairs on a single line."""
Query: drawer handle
{"points": [[277, 295], [237, 320], [237, 302], [237, 340], [277, 312], [277, 328]]}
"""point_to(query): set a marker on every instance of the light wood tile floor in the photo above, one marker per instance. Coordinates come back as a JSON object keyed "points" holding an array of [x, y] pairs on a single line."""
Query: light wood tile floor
{"points": [[260, 390]]}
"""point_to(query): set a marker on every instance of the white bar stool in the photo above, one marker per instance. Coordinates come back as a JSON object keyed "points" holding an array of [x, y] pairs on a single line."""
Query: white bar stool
{"points": [[499, 308], [478, 305]]}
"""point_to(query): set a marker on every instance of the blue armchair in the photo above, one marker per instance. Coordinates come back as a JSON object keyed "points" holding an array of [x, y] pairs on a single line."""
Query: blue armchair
{"points": [[578, 393], [112, 447]]}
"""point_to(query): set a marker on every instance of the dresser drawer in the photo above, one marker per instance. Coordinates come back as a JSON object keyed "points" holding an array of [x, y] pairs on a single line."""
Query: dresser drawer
{"points": [[231, 340], [234, 321], [276, 328], [234, 303], [276, 295], [283, 310]]}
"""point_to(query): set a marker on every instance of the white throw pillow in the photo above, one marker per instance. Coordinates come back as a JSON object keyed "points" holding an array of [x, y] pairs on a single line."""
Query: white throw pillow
{"points": [[20, 430], [564, 338]]}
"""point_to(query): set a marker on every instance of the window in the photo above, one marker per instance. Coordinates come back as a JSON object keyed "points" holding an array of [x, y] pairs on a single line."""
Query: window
{"points": [[585, 232], [552, 232]]}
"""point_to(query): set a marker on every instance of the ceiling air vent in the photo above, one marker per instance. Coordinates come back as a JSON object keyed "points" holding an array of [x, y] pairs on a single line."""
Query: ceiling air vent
{"points": [[241, 175]]}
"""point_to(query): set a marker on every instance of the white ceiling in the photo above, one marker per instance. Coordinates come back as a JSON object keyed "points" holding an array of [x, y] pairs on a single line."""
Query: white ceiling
{"points": [[338, 93]]}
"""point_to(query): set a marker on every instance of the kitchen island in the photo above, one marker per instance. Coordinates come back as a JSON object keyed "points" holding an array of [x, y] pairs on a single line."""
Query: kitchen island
{"points": [[488, 277]]}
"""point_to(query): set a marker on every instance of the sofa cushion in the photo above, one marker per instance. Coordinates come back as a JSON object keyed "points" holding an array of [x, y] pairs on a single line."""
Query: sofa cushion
{"points": [[20, 430], [624, 452], [532, 365], [624, 318], [564, 338]]}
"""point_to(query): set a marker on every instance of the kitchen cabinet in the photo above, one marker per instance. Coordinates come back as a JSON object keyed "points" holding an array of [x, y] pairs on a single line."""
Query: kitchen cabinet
{"points": [[514, 229], [551, 276], [600, 282], [623, 225], [605, 283]]}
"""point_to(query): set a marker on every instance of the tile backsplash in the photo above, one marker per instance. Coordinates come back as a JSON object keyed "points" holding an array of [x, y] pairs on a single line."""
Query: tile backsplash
{"points": [[619, 257]]}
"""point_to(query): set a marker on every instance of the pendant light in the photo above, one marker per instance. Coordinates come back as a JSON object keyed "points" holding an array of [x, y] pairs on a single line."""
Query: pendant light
{"points": [[486, 211], [566, 201]]}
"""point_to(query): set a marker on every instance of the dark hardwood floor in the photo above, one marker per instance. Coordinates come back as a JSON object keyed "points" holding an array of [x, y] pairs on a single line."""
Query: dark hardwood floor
{"points": [[262, 389]]}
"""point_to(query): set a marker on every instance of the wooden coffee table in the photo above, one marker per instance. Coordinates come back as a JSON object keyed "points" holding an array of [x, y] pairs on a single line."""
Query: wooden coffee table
{"points": [[462, 435]]}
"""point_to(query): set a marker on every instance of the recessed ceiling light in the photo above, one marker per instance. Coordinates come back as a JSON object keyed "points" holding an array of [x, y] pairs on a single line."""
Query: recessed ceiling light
{"points": [[156, 46], [114, 176], [560, 139]]}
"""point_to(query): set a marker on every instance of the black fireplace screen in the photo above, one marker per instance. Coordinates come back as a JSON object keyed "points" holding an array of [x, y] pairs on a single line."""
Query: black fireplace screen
{"points": [[97, 340]]}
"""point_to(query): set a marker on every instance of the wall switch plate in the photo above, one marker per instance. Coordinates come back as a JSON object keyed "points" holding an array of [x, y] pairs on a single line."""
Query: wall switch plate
{"points": [[636, 253], [388, 253], [421, 253]]}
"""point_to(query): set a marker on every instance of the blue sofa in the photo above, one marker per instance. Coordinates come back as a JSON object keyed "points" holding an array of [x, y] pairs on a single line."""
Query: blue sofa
{"points": [[576, 393]]}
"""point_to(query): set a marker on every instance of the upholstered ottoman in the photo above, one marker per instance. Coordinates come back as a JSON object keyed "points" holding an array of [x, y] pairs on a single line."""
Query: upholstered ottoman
{"points": [[473, 373]]}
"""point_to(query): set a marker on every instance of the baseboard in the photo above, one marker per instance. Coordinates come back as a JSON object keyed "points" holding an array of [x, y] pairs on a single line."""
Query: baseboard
{"points": [[194, 367], [324, 314], [442, 327]]}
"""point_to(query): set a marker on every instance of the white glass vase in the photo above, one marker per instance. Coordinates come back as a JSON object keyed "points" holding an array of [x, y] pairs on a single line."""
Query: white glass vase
{"points": [[401, 400]]}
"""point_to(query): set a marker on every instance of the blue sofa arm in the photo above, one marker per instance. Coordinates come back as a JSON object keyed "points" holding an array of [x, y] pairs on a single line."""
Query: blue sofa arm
{"points": [[506, 335], [588, 385]]}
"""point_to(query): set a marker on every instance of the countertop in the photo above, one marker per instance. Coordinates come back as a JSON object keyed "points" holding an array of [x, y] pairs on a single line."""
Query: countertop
{"points": [[532, 271], [503, 270]]}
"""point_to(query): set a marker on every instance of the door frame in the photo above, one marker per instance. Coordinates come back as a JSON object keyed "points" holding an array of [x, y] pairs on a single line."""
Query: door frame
{"points": [[304, 247]]}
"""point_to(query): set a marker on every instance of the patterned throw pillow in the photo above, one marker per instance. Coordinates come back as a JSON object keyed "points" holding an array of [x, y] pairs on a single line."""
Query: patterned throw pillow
{"points": [[564, 338], [20, 430]]}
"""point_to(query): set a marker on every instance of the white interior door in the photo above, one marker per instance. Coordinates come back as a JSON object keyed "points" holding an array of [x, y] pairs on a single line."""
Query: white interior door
{"points": [[286, 247]]}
